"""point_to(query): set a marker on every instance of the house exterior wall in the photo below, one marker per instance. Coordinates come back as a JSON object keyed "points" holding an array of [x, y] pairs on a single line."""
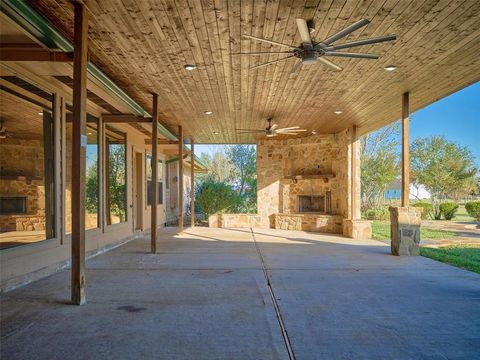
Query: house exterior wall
{"points": [[25, 263]]}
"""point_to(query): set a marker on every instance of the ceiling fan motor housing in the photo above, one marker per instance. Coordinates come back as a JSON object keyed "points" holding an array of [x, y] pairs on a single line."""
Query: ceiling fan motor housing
{"points": [[310, 57]]}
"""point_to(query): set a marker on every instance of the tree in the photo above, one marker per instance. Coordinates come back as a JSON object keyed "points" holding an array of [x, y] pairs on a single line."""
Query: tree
{"points": [[221, 169], [379, 164], [244, 158], [215, 197], [91, 189], [441, 166], [117, 187]]}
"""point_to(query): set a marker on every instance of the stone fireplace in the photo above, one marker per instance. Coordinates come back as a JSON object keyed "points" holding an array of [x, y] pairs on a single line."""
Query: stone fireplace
{"points": [[22, 190], [303, 182]]}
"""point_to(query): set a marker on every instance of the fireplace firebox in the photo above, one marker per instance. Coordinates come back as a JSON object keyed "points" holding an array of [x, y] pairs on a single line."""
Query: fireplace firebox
{"points": [[315, 203], [307, 204], [13, 205]]}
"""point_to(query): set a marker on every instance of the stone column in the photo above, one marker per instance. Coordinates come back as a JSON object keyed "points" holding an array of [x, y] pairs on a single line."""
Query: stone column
{"points": [[405, 230]]}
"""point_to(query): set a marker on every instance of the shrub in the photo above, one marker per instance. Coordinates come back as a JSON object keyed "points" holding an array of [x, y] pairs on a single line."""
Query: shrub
{"points": [[215, 197], [448, 210], [473, 209], [427, 209], [380, 213]]}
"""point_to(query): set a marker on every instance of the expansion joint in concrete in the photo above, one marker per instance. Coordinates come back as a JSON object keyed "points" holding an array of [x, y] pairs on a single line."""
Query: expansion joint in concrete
{"points": [[278, 313]]}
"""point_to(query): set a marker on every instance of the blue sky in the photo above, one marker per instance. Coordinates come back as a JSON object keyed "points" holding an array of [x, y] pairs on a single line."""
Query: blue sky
{"points": [[457, 117]]}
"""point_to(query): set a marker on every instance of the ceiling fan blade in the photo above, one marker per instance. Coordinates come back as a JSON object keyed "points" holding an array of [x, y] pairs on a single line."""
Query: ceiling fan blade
{"points": [[330, 64], [351, 55], [250, 132], [272, 62], [362, 42], [273, 127], [345, 32], [264, 53], [304, 32], [290, 131], [290, 128], [297, 66], [268, 41]]}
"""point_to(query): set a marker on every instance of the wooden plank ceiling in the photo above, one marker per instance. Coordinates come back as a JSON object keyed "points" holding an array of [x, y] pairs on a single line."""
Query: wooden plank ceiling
{"points": [[143, 46]]}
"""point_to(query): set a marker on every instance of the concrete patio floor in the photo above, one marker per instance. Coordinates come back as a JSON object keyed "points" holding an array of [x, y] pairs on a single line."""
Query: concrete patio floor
{"points": [[205, 296]]}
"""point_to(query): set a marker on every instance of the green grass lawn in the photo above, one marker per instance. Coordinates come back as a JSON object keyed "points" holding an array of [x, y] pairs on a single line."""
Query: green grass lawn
{"points": [[462, 215], [381, 231], [463, 256]]}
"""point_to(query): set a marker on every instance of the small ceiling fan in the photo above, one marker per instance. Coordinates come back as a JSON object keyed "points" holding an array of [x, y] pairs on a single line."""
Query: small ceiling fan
{"points": [[272, 130], [311, 52]]}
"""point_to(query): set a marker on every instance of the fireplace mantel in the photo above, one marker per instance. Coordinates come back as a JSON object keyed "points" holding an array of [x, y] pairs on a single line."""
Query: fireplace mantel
{"points": [[326, 177]]}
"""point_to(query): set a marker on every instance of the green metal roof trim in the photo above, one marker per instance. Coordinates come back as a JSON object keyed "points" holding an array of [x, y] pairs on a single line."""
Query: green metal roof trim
{"points": [[197, 160], [39, 28]]}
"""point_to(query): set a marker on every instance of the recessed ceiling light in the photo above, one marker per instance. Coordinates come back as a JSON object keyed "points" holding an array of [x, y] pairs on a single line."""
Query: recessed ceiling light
{"points": [[89, 133], [189, 67], [390, 67], [338, 112], [216, 132], [208, 112]]}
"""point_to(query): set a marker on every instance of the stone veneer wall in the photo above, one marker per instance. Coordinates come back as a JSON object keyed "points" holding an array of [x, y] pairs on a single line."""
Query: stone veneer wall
{"points": [[316, 154], [21, 174], [235, 221]]}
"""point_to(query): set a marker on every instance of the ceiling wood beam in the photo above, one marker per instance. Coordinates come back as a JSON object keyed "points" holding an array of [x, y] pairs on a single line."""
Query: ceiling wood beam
{"points": [[161, 142], [29, 54], [125, 118]]}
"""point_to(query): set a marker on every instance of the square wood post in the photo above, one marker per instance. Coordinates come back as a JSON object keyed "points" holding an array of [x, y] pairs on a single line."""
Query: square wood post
{"points": [[79, 144], [192, 183], [405, 151], [154, 216], [180, 179], [355, 211]]}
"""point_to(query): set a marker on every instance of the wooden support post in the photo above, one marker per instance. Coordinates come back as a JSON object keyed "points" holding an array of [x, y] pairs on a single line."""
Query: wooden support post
{"points": [[79, 143], [405, 151], [102, 170], [192, 183], [354, 181], [180, 179], [154, 206]]}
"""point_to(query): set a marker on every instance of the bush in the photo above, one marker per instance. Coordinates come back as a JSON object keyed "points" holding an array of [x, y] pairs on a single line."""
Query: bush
{"points": [[380, 213], [448, 210], [427, 209], [215, 197], [473, 209]]}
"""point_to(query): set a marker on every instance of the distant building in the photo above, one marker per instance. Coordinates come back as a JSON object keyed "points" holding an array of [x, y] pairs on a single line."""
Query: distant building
{"points": [[394, 191]]}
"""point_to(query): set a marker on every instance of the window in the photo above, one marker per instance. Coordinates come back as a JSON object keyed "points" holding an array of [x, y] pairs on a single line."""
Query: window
{"points": [[149, 180], [92, 175], [116, 175], [27, 163]]}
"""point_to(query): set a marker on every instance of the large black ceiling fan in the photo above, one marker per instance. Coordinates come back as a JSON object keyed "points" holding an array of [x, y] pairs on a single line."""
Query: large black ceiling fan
{"points": [[311, 52]]}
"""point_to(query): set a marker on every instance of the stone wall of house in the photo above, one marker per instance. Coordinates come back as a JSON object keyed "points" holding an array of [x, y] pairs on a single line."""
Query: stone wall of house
{"points": [[279, 158], [22, 174]]}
